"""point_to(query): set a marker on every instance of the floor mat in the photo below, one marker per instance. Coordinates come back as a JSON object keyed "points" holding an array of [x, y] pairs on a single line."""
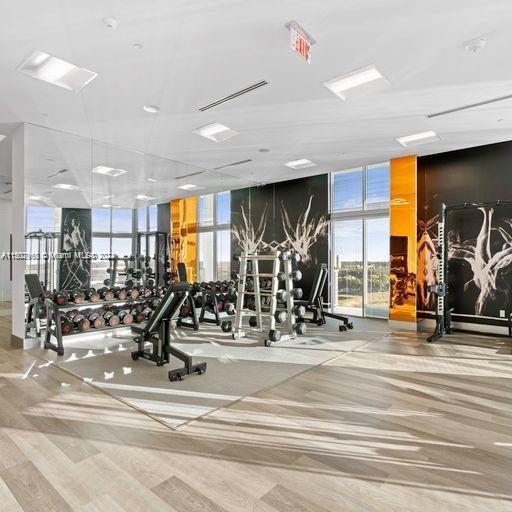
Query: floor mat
{"points": [[235, 368]]}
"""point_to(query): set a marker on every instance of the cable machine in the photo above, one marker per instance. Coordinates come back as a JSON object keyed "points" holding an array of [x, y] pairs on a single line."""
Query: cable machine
{"points": [[443, 314], [42, 245]]}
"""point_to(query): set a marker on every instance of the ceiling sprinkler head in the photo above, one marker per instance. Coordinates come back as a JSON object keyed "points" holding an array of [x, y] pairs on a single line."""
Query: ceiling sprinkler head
{"points": [[110, 23], [475, 44]]}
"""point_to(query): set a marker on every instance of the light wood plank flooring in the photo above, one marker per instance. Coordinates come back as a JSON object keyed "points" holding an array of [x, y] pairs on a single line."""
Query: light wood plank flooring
{"points": [[397, 425]]}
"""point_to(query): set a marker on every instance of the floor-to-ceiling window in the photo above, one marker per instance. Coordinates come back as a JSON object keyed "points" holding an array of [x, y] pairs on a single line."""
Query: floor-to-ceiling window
{"points": [[112, 234], [360, 240], [213, 241]]}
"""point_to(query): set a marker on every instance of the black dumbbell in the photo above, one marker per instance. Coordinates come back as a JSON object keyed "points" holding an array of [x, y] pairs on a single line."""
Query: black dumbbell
{"points": [[300, 328], [297, 293], [281, 316], [76, 296], [300, 311], [110, 318], [66, 326], [96, 320], [92, 295], [296, 275], [274, 335], [125, 317], [81, 323], [282, 295], [294, 256], [61, 298]]}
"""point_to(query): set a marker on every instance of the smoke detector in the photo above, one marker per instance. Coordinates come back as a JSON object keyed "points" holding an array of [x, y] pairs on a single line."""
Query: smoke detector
{"points": [[475, 45], [110, 23]]}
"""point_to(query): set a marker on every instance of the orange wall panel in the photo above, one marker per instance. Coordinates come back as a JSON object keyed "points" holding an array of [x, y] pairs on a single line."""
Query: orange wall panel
{"points": [[184, 235], [402, 217]]}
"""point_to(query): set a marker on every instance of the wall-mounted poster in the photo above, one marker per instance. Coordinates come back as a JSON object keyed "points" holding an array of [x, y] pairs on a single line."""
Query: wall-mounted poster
{"points": [[76, 238]]}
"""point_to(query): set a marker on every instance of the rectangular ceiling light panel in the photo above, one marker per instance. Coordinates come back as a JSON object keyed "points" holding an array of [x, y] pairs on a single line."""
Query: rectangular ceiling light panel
{"points": [[189, 186], [418, 138], [143, 197], [53, 70], [108, 171], [360, 82], [303, 163], [65, 186], [216, 132]]}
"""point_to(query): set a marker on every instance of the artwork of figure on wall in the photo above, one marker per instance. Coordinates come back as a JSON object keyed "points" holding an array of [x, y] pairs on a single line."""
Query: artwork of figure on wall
{"points": [[75, 266]]}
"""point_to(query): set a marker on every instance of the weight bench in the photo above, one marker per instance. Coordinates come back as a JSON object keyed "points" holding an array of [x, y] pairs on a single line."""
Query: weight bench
{"points": [[35, 305], [157, 331], [315, 303]]}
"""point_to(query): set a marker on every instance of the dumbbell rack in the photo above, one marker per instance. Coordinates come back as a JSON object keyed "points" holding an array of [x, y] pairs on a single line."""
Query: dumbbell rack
{"points": [[237, 327], [53, 325]]}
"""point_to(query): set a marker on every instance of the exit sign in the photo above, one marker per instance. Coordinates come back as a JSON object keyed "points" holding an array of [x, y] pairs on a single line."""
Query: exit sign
{"points": [[300, 41]]}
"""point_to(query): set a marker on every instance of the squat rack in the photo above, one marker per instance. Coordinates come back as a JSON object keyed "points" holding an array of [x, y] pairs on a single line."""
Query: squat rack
{"points": [[443, 313]]}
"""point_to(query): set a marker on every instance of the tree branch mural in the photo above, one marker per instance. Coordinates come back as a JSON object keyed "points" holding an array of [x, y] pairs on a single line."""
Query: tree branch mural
{"points": [[305, 232], [486, 267], [249, 238]]}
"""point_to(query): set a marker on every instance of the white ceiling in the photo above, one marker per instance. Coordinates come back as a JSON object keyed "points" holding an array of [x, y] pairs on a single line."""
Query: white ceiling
{"points": [[195, 51]]}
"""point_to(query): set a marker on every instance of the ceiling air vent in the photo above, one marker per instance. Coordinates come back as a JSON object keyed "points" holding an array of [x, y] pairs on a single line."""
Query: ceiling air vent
{"points": [[232, 165], [234, 95], [472, 105], [58, 173], [190, 175]]}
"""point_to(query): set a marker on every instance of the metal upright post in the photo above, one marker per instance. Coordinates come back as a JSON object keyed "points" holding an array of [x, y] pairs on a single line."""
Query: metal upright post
{"points": [[240, 295], [257, 293], [289, 300]]}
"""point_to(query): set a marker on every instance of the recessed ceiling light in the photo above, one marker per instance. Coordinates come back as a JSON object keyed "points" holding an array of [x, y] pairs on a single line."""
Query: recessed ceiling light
{"points": [[106, 206], [137, 46], [35, 198], [152, 109], [142, 197], [263, 150], [108, 171], [303, 163], [216, 132], [2, 137], [358, 83], [152, 179], [418, 138], [65, 186], [475, 45], [188, 186], [53, 70]]}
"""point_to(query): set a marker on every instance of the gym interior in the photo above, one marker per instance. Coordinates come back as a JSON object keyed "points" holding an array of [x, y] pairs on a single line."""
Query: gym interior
{"points": [[256, 256]]}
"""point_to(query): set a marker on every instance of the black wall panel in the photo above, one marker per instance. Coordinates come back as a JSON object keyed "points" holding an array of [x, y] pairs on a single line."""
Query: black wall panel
{"points": [[480, 240], [281, 208]]}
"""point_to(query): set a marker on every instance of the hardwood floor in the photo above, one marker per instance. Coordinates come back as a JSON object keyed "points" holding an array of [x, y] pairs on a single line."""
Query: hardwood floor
{"points": [[397, 425]]}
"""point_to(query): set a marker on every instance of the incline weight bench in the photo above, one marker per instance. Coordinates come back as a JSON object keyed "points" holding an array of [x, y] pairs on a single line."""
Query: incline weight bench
{"points": [[315, 304], [35, 305], [157, 331]]}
